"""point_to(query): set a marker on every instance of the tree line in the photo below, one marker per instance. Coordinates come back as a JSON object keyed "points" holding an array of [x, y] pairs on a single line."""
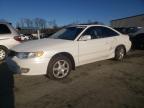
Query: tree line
{"points": [[39, 23]]}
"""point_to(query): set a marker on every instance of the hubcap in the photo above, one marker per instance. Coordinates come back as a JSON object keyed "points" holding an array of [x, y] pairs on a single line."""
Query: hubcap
{"points": [[121, 53], [60, 69], [2, 54]]}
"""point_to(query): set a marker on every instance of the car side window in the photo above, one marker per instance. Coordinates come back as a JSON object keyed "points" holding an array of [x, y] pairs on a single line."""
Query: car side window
{"points": [[106, 32], [92, 32], [4, 29]]}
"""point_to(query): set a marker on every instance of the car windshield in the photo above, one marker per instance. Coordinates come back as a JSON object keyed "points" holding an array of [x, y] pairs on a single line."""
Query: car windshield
{"points": [[69, 33]]}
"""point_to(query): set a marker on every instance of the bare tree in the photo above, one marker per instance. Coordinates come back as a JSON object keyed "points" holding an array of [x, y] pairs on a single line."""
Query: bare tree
{"points": [[20, 23], [28, 22], [53, 24], [40, 23]]}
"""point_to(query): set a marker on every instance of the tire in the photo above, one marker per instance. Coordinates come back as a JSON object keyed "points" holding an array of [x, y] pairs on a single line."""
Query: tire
{"points": [[3, 53], [59, 68], [120, 53]]}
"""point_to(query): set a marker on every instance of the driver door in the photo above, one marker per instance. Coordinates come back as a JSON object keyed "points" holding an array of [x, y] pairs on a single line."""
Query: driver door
{"points": [[93, 49]]}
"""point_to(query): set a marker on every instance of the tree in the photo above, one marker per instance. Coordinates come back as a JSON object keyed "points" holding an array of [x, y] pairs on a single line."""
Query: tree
{"points": [[53, 24], [40, 23], [25, 22], [30, 23], [20, 23]]}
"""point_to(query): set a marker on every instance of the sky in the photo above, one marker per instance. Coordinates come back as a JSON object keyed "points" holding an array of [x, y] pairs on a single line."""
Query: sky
{"points": [[68, 11]]}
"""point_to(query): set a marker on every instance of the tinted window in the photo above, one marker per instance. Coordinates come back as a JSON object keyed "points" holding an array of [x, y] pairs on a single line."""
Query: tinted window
{"points": [[100, 32], [69, 33], [92, 31], [4, 29], [106, 32]]}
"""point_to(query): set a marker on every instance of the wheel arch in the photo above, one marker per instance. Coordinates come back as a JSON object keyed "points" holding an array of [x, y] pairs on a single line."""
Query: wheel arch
{"points": [[66, 54], [4, 47]]}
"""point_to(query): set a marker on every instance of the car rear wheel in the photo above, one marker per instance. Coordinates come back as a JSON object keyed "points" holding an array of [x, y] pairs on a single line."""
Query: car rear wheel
{"points": [[120, 53], [3, 53], [59, 68]]}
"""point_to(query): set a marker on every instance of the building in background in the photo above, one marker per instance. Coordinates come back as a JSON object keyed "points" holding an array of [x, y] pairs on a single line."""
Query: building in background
{"points": [[132, 21]]}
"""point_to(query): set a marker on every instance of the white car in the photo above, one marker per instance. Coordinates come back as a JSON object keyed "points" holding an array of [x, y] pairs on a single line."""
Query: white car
{"points": [[68, 48], [8, 38], [24, 37]]}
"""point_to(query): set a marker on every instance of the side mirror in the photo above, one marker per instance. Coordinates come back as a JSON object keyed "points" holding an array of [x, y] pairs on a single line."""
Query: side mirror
{"points": [[85, 38]]}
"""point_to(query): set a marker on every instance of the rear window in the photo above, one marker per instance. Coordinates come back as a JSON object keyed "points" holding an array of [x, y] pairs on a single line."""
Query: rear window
{"points": [[4, 29]]}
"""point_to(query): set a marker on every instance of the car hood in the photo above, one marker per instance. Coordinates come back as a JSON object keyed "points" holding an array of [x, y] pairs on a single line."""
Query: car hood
{"points": [[42, 44]]}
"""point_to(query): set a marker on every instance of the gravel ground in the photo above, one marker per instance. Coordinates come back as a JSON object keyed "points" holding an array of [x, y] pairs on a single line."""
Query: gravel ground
{"points": [[104, 84]]}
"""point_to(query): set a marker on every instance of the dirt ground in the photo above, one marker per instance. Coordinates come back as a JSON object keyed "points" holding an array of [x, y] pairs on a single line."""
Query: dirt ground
{"points": [[104, 84]]}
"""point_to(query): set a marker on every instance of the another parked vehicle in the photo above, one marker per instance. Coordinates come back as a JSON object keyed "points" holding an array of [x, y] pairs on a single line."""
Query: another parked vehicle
{"points": [[8, 38], [24, 37], [30, 36], [68, 48], [137, 38], [123, 30]]}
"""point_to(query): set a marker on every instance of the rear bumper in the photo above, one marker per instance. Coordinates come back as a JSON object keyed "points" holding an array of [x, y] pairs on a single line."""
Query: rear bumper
{"points": [[128, 47]]}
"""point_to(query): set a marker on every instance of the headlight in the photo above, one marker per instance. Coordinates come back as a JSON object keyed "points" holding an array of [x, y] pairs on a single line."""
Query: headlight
{"points": [[24, 55]]}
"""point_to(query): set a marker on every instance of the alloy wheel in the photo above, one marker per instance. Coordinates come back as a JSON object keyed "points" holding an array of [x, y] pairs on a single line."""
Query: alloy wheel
{"points": [[121, 53], [61, 69], [2, 54]]}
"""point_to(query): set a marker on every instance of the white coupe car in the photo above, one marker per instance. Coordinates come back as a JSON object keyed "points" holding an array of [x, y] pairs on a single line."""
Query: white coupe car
{"points": [[68, 48]]}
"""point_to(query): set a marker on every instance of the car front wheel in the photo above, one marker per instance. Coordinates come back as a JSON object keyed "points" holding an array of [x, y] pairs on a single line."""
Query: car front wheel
{"points": [[59, 68], [120, 53], [3, 53]]}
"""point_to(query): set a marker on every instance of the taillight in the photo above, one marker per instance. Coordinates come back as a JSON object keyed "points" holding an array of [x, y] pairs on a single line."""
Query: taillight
{"points": [[18, 38]]}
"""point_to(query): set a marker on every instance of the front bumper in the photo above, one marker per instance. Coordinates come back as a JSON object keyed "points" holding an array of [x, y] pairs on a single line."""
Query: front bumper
{"points": [[34, 66]]}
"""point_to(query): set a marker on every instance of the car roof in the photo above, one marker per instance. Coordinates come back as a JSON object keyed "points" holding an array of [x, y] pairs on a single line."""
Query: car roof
{"points": [[87, 25]]}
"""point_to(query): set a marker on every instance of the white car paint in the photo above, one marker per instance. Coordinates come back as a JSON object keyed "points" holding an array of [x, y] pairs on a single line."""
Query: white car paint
{"points": [[83, 52], [7, 40]]}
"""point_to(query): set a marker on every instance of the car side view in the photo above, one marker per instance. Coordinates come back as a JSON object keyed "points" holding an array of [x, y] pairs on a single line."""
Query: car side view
{"points": [[8, 38], [68, 48]]}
